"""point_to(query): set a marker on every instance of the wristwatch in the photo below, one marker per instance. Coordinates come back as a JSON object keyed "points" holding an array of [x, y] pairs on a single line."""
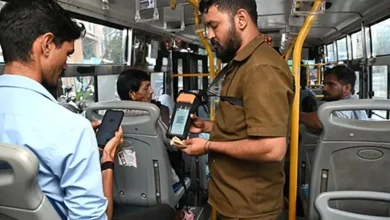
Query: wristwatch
{"points": [[107, 165]]}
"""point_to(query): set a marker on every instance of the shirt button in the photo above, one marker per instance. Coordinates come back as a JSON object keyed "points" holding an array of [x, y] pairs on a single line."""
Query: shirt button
{"points": [[213, 161]]}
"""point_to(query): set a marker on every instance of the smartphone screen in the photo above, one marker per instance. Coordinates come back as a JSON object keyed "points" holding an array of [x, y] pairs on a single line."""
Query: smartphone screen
{"points": [[110, 124]]}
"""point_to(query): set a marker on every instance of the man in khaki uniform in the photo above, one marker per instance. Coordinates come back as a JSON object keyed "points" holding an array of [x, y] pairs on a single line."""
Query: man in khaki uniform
{"points": [[248, 142]]}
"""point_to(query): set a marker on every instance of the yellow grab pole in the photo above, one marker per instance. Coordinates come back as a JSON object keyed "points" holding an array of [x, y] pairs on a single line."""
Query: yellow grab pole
{"points": [[195, 5], [295, 110], [207, 46], [190, 74], [173, 4], [287, 53]]}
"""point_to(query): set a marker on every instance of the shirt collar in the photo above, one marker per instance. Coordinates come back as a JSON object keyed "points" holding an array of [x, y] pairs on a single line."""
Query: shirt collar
{"points": [[22, 82], [249, 49]]}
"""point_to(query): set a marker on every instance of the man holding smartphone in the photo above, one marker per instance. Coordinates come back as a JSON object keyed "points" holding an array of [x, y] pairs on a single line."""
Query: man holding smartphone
{"points": [[248, 139], [36, 38]]}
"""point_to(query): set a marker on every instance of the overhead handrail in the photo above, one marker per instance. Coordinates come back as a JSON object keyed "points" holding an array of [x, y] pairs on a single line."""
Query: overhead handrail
{"points": [[297, 55]]}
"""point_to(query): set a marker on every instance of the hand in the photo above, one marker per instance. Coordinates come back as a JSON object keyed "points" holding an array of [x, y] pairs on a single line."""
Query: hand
{"points": [[112, 147], [196, 147], [197, 126], [95, 125]]}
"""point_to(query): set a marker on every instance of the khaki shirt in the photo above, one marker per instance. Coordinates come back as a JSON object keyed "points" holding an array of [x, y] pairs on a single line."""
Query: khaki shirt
{"points": [[262, 79]]}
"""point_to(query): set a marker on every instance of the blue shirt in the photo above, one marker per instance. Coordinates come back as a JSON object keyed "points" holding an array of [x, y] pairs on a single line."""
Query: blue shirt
{"points": [[64, 142]]}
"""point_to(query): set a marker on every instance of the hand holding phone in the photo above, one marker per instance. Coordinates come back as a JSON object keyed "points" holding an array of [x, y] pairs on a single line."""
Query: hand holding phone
{"points": [[110, 124]]}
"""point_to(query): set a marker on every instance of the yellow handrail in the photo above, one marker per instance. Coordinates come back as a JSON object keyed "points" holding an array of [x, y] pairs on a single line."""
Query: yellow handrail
{"points": [[173, 4], [287, 53], [195, 4], [295, 110], [190, 74]]}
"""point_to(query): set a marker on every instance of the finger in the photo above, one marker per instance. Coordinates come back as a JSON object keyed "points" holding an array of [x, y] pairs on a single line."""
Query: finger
{"points": [[194, 117], [95, 124], [120, 129]]}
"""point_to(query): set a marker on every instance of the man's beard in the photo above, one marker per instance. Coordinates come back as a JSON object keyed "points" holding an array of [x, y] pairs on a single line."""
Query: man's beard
{"points": [[233, 44]]}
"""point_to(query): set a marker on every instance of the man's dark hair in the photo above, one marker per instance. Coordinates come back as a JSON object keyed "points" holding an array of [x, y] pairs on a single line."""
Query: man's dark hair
{"points": [[130, 80], [231, 6], [23, 21], [344, 74]]}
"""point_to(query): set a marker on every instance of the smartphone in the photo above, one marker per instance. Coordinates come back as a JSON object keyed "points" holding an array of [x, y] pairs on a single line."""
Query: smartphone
{"points": [[110, 124]]}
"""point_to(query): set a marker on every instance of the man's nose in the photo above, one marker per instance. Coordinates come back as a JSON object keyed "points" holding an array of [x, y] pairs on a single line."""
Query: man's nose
{"points": [[210, 34]]}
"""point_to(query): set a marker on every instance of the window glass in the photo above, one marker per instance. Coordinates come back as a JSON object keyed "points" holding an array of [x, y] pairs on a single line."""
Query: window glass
{"points": [[357, 47], [107, 88], [381, 38], [331, 56], [342, 49], [1, 51], [379, 87], [157, 82], [78, 90], [101, 45]]}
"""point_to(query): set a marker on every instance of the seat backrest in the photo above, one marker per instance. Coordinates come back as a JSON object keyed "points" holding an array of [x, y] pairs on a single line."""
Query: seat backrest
{"points": [[20, 194], [307, 145], [326, 212], [142, 173], [352, 155]]}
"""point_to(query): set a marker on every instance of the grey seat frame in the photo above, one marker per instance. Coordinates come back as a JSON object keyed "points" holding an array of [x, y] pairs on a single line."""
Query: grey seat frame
{"points": [[347, 155], [149, 183], [20, 195]]}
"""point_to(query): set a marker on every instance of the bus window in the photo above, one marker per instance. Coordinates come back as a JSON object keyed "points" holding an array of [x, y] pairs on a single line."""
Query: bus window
{"points": [[342, 49], [101, 45], [381, 38], [379, 86], [331, 55], [357, 47]]}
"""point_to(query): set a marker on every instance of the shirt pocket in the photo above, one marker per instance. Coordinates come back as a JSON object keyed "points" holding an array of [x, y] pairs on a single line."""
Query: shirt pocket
{"points": [[231, 117]]}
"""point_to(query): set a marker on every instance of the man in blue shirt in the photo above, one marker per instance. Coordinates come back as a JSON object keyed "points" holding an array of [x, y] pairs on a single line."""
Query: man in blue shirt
{"points": [[36, 37]]}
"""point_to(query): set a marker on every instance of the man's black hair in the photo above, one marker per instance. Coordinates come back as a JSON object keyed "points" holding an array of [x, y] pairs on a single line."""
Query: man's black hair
{"points": [[231, 6], [130, 80], [344, 74], [23, 21]]}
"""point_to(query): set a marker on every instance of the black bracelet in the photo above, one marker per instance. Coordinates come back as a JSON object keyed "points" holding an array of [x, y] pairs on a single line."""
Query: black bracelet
{"points": [[107, 165]]}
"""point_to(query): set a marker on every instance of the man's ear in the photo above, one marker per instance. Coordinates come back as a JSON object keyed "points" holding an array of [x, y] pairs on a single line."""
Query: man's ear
{"points": [[132, 95], [242, 19], [47, 43]]}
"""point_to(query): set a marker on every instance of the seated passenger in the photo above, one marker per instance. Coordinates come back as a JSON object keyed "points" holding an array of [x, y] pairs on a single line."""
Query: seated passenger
{"points": [[134, 85], [339, 83], [36, 38]]}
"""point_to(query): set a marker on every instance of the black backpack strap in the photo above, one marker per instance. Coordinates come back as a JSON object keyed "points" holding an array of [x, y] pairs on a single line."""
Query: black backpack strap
{"points": [[232, 100]]}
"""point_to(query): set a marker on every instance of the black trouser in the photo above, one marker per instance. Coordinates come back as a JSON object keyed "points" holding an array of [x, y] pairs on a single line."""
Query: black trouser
{"points": [[158, 212]]}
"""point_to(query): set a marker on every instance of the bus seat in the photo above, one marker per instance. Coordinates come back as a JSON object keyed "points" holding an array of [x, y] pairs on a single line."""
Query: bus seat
{"points": [[307, 145], [326, 212], [352, 155], [199, 172], [20, 194], [142, 175]]}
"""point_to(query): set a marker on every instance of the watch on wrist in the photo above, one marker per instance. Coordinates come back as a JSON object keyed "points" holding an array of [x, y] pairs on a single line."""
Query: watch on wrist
{"points": [[107, 165]]}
